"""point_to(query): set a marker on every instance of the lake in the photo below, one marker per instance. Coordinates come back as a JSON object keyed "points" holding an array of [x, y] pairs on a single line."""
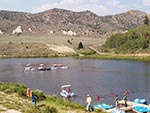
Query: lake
{"points": [[95, 77]]}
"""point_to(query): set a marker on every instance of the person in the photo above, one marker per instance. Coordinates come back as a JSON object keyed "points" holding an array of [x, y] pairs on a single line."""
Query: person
{"points": [[69, 91], [34, 99], [28, 92], [117, 102], [89, 102], [125, 98]]}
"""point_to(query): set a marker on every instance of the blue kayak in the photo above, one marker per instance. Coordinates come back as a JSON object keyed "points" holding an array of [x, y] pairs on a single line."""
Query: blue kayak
{"points": [[141, 109], [102, 106], [140, 101]]}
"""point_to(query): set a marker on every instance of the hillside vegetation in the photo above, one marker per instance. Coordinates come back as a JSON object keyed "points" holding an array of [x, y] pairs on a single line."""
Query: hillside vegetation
{"points": [[134, 41]]}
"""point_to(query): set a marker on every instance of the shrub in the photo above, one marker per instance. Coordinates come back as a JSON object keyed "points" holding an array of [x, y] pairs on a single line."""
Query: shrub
{"points": [[39, 94], [13, 88], [49, 109]]}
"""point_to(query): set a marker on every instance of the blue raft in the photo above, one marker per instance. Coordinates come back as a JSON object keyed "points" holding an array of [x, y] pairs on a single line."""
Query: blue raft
{"points": [[140, 101], [102, 106], [141, 109]]}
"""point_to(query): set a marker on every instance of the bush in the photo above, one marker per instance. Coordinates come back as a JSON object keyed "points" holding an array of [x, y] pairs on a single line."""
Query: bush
{"points": [[39, 94], [13, 88], [49, 109]]}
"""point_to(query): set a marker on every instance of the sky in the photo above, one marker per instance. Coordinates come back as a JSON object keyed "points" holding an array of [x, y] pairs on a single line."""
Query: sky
{"points": [[99, 7]]}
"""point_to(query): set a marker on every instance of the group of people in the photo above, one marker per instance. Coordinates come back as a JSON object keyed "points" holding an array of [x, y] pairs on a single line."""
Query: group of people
{"points": [[68, 91], [89, 101], [125, 98]]}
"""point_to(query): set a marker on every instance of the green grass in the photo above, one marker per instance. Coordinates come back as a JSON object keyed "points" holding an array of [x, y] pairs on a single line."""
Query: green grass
{"points": [[115, 57]]}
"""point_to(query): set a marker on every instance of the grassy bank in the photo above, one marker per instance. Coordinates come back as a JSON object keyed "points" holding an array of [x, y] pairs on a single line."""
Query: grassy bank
{"points": [[115, 57], [13, 96]]}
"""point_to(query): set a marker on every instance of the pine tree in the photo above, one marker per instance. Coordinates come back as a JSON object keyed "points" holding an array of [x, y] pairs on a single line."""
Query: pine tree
{"points": [[80, 46], [146, 20]]}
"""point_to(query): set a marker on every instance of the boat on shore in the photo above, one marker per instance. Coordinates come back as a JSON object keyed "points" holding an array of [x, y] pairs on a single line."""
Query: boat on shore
{"points": [[102, 106], [140, 109], [140, 101]]}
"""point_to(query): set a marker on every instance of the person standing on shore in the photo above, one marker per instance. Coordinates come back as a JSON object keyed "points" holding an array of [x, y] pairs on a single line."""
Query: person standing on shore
{"points": [[125, 98], [34, 99], [89, 101], [117, 102]]}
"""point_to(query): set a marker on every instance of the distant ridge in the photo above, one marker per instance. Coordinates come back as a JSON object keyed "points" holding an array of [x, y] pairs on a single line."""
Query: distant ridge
{"points": [[55, 21]]}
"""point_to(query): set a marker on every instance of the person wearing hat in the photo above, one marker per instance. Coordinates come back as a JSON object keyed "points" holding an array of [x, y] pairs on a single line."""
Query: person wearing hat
{"points": [[88, 101]]}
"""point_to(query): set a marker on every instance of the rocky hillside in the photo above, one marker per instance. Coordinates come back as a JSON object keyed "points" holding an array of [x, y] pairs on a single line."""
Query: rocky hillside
{"points": [[65, 22]]}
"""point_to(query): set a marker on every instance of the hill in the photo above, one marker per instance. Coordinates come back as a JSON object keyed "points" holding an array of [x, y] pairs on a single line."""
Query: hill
{"points": [[65, 22]]}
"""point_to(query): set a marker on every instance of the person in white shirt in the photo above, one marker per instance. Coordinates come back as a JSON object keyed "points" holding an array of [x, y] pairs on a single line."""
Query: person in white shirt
{"points": [[88, 101]]}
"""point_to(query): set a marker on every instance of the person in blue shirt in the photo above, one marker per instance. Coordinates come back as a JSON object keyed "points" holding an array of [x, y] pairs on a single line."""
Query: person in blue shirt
{"points": [[34, 99]]}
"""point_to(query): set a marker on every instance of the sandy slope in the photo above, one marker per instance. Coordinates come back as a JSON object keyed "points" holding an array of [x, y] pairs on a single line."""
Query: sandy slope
{"points": [[61, 48]]}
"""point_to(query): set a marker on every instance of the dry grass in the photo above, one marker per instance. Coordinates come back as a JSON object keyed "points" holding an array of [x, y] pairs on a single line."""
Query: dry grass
{"points": [[51, 39], [35, 46]]}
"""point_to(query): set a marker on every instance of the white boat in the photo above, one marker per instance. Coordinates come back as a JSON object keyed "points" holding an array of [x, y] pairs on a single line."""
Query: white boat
{"points": [[28, 68], [64, 67], [59, 66], [66, 91]]}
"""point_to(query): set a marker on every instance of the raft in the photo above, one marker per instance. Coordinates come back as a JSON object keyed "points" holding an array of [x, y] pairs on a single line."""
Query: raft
{"points": [[141, 109], [140, 101], [102, 106]]}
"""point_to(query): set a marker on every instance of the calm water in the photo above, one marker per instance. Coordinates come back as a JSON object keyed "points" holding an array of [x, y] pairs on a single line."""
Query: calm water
{"points": [[96, 77]]}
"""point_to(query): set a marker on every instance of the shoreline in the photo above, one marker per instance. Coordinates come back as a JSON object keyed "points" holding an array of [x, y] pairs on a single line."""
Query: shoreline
{"points": [[134, 57]]}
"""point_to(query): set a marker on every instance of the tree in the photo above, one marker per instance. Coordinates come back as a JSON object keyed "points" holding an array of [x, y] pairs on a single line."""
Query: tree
{"points": [[80, 46], [146, 20]]}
